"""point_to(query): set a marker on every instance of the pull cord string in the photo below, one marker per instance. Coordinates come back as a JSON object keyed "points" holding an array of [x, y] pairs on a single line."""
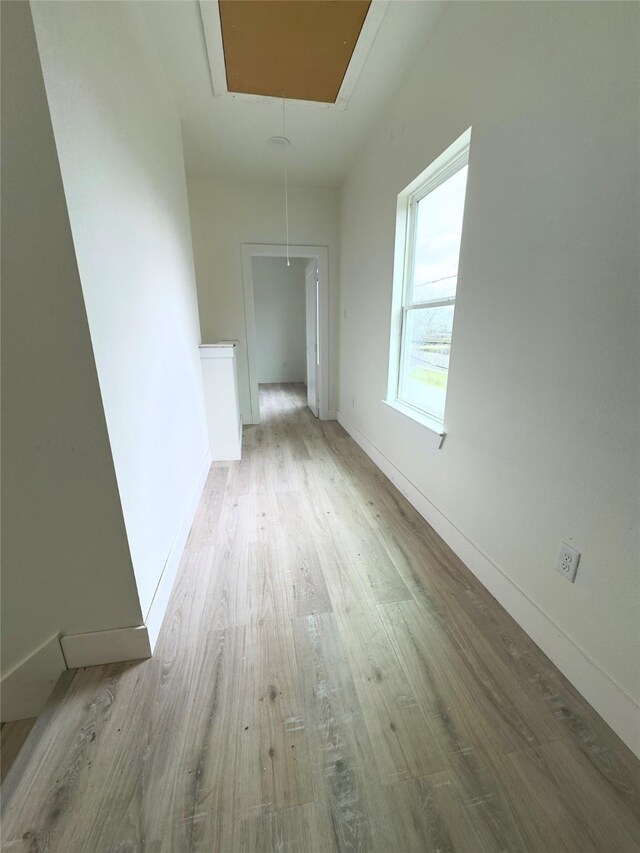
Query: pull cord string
{"points": [[286, 209], [286, 183]]}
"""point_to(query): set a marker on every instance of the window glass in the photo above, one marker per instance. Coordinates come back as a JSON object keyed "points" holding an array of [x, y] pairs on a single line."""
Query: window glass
{"points": [[425, 358], [438, 233]]}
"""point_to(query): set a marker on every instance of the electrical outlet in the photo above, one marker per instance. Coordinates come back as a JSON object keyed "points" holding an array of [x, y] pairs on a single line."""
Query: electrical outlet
{"points": [[568, 560]]}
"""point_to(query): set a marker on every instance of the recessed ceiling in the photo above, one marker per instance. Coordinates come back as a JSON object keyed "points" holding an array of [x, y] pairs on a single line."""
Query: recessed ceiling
{"points": [[296, 49], [224, 135]]}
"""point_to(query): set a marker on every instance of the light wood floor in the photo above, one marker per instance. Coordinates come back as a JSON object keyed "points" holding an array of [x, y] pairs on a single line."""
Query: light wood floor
{"points": [[329, 677]]}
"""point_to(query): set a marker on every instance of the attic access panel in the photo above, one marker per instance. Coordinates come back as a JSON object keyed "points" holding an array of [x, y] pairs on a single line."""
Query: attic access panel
{"points": [[297, 48]]}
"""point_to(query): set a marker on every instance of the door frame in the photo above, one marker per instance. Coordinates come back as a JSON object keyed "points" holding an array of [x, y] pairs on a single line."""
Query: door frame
{"points": [[275, 250], [311, 301]]}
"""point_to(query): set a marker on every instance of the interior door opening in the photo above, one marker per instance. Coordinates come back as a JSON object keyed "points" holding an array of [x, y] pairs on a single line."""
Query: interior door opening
{"points": [[286, 310]]}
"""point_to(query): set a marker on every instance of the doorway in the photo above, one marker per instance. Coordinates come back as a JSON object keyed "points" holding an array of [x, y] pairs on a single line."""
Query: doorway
{"points": [[286, 315]]}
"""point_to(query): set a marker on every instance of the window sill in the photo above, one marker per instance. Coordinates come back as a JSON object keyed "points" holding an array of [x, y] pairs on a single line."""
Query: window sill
{"points": [[431, 424]]}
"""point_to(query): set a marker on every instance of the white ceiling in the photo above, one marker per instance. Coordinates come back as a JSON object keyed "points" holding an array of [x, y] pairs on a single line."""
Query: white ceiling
{"points": [[226, 136]]}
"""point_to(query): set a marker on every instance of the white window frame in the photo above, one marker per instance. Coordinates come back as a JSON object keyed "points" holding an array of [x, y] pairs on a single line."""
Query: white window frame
{"points": [[447, 164]]}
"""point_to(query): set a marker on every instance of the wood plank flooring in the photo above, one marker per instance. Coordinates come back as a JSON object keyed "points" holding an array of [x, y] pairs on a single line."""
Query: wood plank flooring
{"points": [[329, 677]]}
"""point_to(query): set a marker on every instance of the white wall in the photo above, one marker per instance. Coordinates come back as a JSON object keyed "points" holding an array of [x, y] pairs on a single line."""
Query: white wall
{"points": [[280, 307], [66, 565], [120, 150], [226, 214], [542, 414]]}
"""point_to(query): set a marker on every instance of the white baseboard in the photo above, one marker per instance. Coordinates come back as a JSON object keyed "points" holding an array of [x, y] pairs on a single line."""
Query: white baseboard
{"points": [[98, 647], [332, 415], [613, 704], [158, 606], [226, 452], [26, 688]]}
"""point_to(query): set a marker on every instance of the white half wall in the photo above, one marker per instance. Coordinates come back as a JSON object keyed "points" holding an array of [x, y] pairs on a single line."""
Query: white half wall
{"points": [[66, 566], [280, 307], [225, 214], [120, 149], [542, 418]]}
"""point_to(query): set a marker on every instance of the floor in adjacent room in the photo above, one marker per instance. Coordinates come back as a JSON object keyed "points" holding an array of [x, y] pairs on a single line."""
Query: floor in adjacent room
{"points": [[329, 677]]}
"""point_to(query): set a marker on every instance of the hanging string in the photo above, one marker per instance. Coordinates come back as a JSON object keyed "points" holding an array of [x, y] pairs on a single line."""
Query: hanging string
{"points": [[286, 184], [286, 210]]}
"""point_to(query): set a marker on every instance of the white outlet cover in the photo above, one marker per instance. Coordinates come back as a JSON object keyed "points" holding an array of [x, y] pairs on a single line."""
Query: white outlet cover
{"points": [[568, 559]]}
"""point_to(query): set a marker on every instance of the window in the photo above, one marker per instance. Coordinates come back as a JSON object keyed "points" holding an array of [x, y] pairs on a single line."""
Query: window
{"points": [[429, 234]]}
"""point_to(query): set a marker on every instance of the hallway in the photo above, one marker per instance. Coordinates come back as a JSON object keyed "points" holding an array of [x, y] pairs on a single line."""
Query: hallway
{"points": [[328, 677]]}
